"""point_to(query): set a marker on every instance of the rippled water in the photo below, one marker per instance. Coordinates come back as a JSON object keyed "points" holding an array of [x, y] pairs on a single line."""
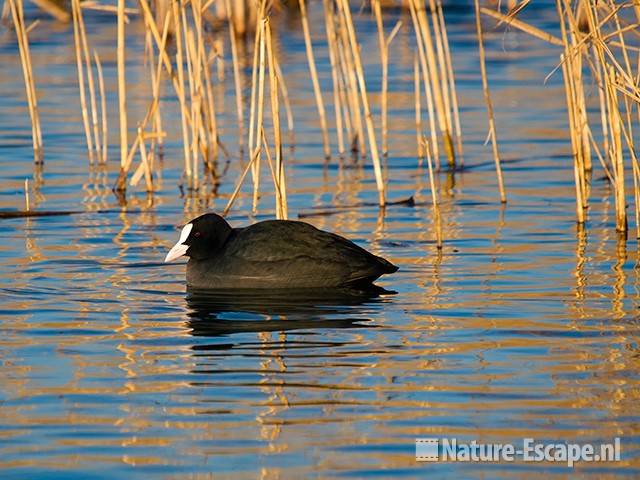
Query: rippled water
{"points": [[521, 327]]}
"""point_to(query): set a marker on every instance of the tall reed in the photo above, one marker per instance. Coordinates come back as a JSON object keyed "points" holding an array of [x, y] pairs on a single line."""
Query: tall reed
{"points": [[122, 91], [17, 14], [434, 68], [314, 79], [373, 146], [487, 99]]}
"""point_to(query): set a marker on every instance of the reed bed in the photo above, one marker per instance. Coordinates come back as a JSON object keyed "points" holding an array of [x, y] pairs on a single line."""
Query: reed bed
{"points": [[595, 47], [596, 50]]}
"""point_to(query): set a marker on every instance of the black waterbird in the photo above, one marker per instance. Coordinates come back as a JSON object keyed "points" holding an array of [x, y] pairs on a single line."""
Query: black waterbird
{"points": [[272, 254]]}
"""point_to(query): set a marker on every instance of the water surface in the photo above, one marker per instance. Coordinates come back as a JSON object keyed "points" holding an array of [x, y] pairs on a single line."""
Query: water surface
{"points": [[523, 326]]}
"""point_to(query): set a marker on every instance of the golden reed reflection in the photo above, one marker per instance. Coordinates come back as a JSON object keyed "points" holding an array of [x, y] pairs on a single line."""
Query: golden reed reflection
{"points": [[466, 345]]}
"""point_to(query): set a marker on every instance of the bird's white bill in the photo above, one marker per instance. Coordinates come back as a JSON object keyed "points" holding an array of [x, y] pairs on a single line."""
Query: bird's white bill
{"points": [[179, 249]]}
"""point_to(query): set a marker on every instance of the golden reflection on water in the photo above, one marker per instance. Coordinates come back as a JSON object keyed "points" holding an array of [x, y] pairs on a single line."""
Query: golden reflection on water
{"points": [[523, 325]]}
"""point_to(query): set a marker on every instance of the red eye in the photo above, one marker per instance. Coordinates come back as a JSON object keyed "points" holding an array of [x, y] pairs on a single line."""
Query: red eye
{"points": [[197, 234]]}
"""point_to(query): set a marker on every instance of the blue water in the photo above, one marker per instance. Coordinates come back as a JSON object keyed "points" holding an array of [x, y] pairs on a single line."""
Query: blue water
{"points": [[523, 326]]}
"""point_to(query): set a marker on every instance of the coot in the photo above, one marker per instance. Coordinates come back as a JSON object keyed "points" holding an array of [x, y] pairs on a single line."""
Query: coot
{"points": [[272, 254]]}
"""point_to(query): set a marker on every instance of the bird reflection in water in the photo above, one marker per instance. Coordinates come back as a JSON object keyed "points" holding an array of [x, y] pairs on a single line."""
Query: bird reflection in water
{"points": [[223, 312]]}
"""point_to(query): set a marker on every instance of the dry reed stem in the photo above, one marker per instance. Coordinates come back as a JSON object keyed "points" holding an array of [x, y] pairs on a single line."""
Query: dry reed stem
{"points": [[254, 78], [194, 89], [32, 26], [452, 84], [635, 168], [81, 82], [351, 88], [331, 44], [34, 97], [582, 122], [437, 221], [233, 196], [601, 99], [145, 161], [157, 116], [384, 62], [487, 98], [525, 27], [314, 79], [122, 94], [373, 146], [195, 61], [578, 168], [418, 108], [260, 115], [92, 90], [54, 9], [240, 17], [287, 104], [236, 73], [427, 85], [616, 155], [578, 172], [434, 76], [345, 102], [154, 104], [184, 113], [282, 210], [442, 67], [384, 44], [103, 108], [211, 116], [17, 15], [27, 203]]}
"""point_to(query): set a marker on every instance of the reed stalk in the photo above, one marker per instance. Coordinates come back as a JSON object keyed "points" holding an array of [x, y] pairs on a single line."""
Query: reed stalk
{"points": [[90, 82], [282, 211], [434, 76], [287, 103], [350, 83], [236, 190], [373, 146], [27, 203], [260, 115], [442, 67], [17, 14], [236, 73], [437, 219], [452, 84], [384, 62], [418, 108], [81, 81], [157, 116], [254, 81], [487, 99], [122, 96], [384, 44], [145, 161], [314, 79], [212, 122], [103, 108], [152, 110], [184, 112], [331, 44], [427, 85], [569, 72], [617, 155]]}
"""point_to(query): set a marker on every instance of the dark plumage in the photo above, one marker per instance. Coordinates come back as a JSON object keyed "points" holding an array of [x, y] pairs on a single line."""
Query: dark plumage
{"points": [[272, 254]]}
